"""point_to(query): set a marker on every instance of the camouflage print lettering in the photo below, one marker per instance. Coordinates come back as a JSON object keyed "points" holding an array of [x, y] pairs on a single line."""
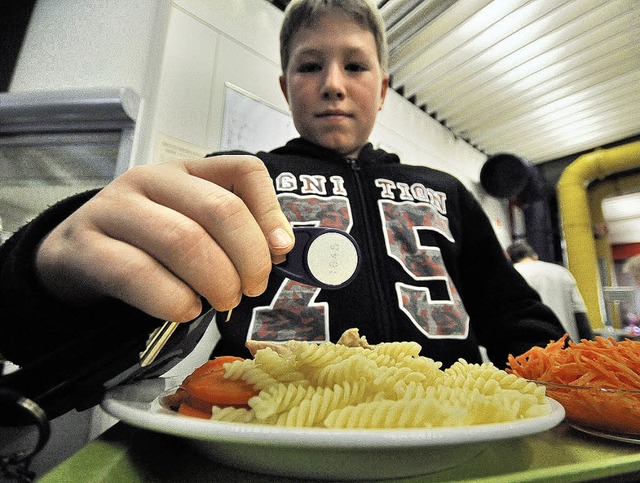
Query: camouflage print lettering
{"points": [[293, 313], [443, 318]]}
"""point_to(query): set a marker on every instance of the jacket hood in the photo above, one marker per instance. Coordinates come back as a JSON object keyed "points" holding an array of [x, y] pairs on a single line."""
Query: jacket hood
{"points": [[302, 147]]}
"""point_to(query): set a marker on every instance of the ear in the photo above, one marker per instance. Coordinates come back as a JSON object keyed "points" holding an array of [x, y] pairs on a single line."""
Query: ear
{"points": [[283, 87], [383, 90]]}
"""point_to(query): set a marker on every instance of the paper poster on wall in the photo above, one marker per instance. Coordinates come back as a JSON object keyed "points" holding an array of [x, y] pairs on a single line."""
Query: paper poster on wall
{"points": [[252, 124]]}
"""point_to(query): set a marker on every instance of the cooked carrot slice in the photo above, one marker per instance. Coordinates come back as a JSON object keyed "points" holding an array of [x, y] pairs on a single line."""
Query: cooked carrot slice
{"points": [[208, 384], [187, 410]]}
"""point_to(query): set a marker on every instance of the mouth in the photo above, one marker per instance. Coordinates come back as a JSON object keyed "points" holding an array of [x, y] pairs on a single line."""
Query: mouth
{"points": [[334, 114]]}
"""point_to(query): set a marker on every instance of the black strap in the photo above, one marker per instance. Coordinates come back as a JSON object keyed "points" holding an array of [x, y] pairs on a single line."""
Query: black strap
{"points": [[75, 376], [72, 376]]}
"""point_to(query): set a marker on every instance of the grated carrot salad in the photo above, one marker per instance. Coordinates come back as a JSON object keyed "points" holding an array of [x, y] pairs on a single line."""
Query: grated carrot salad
{"points": [[592, 368], [600, 363]]}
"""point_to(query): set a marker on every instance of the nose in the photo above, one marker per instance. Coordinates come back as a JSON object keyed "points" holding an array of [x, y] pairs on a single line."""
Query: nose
{"points": [[333, 87]]}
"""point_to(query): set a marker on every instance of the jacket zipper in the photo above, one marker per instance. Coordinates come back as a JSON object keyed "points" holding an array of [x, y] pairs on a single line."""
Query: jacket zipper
{"points": [[384, 321]]}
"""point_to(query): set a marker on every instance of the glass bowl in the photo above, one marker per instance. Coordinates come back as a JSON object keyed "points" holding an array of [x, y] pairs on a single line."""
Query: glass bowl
{"points": [[609, 410]]}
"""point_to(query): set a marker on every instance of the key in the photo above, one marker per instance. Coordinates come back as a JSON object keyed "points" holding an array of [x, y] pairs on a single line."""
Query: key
{"points": [[158, 339]]}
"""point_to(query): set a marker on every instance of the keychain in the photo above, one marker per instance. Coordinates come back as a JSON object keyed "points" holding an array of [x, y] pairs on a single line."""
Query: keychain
{"points": [[16, 411]]}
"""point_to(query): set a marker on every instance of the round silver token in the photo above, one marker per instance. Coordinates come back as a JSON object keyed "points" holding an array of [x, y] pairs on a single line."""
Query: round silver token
{"points": [[332, 258]]}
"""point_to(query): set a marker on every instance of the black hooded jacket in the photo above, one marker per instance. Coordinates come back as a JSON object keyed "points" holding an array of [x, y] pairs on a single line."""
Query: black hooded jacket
{"points": [[432, 268]]}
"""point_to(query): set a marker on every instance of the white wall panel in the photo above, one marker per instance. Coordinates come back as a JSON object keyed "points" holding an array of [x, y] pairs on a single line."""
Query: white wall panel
{"points": [[623, 218], [255, 22], [436, 146], [74, 43], [186, 79]]}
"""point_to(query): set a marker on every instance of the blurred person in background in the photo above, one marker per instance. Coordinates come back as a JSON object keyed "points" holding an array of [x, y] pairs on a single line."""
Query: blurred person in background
{"points": [[557, 289]]}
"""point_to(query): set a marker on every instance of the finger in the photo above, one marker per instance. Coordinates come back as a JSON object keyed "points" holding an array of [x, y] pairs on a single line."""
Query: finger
{"points": [[248, 178], [145, 284], [226, 216]]}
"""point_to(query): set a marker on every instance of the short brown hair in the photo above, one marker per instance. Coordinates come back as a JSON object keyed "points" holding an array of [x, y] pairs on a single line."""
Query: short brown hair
{"points": [[303, 13], [520, 250]]}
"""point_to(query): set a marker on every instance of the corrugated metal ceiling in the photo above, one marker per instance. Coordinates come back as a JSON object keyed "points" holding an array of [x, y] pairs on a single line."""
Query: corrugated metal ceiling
{"points": [[543, 79]]}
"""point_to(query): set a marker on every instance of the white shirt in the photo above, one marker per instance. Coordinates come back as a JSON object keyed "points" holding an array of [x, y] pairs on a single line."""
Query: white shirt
{"points": [[558, 290]]}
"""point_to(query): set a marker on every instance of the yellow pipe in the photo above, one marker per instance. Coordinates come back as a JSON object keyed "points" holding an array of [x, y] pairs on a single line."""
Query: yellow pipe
{"points": [[577, 224]]}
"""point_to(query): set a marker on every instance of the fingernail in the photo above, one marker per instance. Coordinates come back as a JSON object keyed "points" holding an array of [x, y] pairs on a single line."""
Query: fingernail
{"points": [[280, 238], [194, 311]]}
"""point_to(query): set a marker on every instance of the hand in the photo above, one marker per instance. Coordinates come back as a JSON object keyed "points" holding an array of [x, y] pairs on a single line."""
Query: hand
{"points": [[158, 236]]}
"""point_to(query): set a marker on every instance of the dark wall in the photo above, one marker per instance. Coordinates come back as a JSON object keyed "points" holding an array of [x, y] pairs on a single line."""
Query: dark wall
{"points": [[14, 19]]}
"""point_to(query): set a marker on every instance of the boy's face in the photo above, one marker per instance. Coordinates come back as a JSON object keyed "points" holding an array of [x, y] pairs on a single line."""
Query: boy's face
{"points": [[334, 83]]}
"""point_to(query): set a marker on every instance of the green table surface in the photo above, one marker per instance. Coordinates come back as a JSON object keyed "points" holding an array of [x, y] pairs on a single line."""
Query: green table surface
{"points": [[128, 454]]}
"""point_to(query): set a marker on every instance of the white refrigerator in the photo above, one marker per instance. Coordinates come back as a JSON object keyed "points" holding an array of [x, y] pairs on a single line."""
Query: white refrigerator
{"points": [[57, 143]]}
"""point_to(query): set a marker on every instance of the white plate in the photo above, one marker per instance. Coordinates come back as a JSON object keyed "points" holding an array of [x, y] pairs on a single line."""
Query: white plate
{"points": [[315, 452]]}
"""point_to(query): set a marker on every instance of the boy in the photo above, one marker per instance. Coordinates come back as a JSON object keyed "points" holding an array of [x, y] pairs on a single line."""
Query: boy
{"points": [[149, 243]]}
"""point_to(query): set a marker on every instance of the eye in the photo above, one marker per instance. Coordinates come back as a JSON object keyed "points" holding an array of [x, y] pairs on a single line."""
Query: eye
{"points": [[355, 67], [309, 67]]}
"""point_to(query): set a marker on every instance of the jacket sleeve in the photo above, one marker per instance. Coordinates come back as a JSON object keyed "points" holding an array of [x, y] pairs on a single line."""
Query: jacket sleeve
{"points": [[36, 328], [506, 314]]}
